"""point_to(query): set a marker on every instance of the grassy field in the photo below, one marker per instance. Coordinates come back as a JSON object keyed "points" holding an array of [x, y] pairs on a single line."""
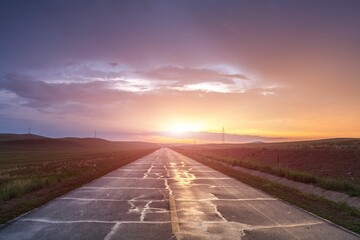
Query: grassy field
{"points": [[340, 214], [332, 164], [34, 169]]}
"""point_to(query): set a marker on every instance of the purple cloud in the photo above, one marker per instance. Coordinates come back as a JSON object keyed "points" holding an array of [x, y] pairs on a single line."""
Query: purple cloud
{"points": [[40, 93]]}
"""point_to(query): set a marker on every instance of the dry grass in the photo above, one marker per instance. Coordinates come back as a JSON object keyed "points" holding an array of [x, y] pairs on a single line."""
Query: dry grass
{"points": [[296, 161], [332, 158], [340, 185], [31, 176]]}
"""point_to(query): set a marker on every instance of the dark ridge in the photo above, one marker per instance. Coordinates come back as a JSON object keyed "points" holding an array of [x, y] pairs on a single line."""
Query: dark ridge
{"points": [[13, 137], [30, 141]]}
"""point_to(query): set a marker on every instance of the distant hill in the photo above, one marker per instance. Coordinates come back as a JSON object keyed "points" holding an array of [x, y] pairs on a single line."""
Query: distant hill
{"points": [[13, 137], [30, 141], [339, 143]]}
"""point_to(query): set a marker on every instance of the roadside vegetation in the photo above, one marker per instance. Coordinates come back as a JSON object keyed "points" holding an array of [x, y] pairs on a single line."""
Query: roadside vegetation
{"points": [[332, 164], [33, 174], [340, 185], [339, 213]]}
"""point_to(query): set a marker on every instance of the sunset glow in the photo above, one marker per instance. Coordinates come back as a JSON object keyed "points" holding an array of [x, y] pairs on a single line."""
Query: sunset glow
{"points": [[169, 70], [180, 128]]}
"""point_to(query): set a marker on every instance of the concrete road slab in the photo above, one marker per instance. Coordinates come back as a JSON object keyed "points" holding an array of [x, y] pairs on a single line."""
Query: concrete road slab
{"points": [[120, 193], [152, 231], [127, 182], [166, 195], [30, 230], [74, 210]]}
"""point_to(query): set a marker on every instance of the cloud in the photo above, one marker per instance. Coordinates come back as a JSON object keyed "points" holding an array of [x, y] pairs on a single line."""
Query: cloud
{"points": [[40, 93], [198, 79], [90, 74], [186, 75], [99, 87], [122, 77], [114, 64], [83, 72]]}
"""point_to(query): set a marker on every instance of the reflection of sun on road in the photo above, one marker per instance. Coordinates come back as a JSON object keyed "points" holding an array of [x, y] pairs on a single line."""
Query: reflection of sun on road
{"points": [[193, 219], [183, 177]]}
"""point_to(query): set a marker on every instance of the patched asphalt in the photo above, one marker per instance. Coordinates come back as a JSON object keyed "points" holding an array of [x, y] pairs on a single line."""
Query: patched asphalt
{"points": [[166, 195]]}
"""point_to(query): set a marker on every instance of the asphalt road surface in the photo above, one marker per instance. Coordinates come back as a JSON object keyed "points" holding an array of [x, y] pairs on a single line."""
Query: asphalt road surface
{"points": [[168, 196]]}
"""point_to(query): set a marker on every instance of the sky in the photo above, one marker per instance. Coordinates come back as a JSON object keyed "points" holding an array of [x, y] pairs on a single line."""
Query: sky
{"points": [[181, 70]]}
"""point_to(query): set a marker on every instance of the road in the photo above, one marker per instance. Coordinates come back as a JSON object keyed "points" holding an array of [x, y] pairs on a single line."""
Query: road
{"points": [[165, 195]]}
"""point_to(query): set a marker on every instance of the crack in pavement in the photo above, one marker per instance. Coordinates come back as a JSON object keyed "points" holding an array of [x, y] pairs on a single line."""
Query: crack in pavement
{"points": [[143, 212]]}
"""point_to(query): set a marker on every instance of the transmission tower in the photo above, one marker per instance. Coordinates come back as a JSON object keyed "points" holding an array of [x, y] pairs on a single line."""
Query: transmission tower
{"points": [[223, 136]]}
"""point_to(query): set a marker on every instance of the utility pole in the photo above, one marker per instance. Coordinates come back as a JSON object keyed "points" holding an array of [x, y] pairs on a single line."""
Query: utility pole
{"points": [[95, 133], [29, 131], [223, 136]]}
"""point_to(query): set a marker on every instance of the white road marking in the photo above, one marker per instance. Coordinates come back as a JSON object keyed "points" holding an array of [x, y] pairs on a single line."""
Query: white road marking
{"points": [[225, 199], [131, 170], [113, 231], [139, 163], [198, 178], [284, 225], [109, 200], [42, 220], [120, 188], [249, 227]]}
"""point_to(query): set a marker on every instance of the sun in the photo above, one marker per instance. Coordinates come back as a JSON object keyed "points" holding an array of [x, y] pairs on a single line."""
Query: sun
{"points": [[179, 128]]}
